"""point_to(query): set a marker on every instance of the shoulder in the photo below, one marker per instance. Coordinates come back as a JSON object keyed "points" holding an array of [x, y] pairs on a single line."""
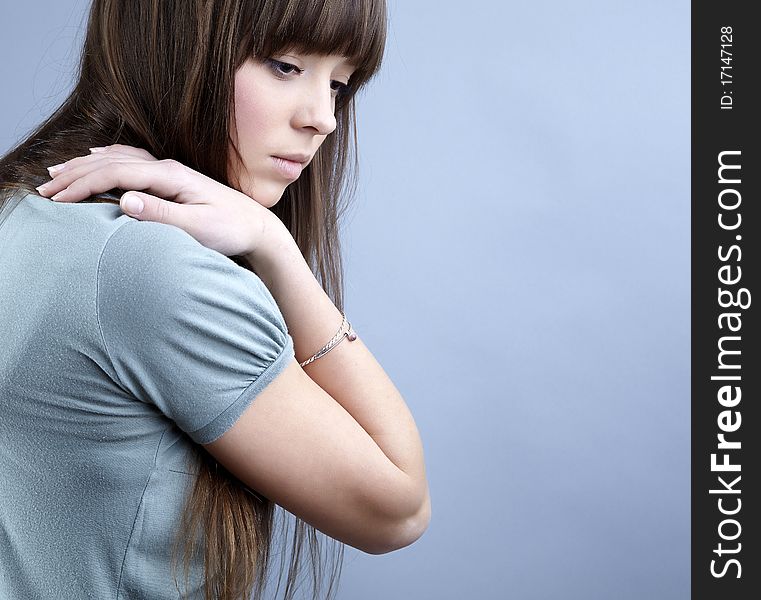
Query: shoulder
{"points": [[149, 270], [186, 328], [134, 239], [164, 259]]}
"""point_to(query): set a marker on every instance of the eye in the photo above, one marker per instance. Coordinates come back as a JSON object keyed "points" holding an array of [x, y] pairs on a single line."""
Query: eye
{"points": [[282, 69], [341, 89]]}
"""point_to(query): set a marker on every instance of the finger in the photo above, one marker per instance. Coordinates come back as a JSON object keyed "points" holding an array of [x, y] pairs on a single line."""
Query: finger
{"points": [[164, 178], [124, 150], [118, 150], [70, 172], [123, 153], [146, 207], [134, 204]]}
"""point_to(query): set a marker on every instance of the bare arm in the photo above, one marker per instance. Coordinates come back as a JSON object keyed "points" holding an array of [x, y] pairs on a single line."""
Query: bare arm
{"points": [[334, 444], [371, 452]]}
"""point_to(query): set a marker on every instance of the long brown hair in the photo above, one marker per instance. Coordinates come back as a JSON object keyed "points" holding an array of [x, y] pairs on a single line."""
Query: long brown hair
{"points": [[159, 75]]}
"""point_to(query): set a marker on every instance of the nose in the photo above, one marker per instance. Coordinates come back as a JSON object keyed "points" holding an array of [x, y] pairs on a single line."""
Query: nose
{"points": [[317, 112]]}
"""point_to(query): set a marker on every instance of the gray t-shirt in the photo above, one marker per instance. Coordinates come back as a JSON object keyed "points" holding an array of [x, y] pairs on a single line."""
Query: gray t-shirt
{"points": [[122, 342]]}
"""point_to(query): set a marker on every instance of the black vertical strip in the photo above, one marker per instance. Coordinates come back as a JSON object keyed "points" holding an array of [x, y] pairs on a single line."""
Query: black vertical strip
{"points": [[726, 301]]}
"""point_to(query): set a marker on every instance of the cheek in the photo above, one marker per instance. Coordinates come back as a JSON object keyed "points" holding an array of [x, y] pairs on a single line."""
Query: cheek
{"points": [[250, 119], [250, 131]]}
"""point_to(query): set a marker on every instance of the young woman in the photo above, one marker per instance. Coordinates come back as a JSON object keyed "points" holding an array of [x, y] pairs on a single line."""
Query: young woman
{"points": [[175, 361]]}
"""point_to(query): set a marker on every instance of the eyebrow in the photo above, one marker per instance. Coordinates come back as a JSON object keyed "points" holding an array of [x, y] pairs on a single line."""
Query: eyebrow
{"points": [[349, 63], [346, 62]]}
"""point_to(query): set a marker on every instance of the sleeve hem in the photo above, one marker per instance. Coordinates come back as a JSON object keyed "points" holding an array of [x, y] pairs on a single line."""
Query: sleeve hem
{"points": [[216, 428]]}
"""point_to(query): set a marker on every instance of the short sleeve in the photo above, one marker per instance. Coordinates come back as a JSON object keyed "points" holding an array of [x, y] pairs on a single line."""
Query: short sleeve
{"points": [[187, 329]]}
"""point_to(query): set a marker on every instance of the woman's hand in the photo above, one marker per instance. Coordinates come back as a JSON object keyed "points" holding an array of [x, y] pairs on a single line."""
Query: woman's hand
{"points": [[219, 217]]}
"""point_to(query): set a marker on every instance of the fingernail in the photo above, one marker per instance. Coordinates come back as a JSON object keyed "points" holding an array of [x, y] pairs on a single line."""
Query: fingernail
{"points": [[42, 189], [56, 169], [97, 149], [58, 195], [132, 204]]}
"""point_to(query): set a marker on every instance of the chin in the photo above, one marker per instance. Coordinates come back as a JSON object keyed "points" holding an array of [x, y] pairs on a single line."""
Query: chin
{"points": [[267, 198], [264, 191], [269, 204]]}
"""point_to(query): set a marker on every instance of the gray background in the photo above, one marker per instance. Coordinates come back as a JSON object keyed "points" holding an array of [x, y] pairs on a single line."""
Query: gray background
{"points": [[518, 261]]}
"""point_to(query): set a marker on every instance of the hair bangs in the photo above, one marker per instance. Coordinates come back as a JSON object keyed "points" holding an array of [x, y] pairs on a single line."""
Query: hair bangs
{"points": [[355, 29]]}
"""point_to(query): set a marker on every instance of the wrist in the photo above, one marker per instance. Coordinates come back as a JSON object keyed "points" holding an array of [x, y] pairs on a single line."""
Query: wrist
{"points": [[272, 236], [274, 248]]}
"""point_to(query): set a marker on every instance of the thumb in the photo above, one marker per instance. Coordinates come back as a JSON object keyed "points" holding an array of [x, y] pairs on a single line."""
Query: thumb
{"points": [[145, 207]]}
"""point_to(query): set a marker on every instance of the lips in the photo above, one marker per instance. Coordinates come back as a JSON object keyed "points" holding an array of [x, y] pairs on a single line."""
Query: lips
{"points": [[303, 159], [288, 169]]}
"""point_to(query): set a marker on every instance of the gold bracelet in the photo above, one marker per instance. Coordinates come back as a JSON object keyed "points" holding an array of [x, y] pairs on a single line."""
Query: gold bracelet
{"points": [[334, 341]]}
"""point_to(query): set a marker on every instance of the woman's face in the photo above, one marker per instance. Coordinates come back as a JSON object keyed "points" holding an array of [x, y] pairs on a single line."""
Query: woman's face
{"points": [[284, 110]]}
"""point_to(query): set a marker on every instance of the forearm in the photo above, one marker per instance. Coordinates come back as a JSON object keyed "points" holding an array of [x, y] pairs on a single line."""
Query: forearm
{"points": [[349, 372]]}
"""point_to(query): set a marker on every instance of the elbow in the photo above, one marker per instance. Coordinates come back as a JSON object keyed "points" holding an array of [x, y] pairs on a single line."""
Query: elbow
{"points": [[413, 529], [405, 532]]}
